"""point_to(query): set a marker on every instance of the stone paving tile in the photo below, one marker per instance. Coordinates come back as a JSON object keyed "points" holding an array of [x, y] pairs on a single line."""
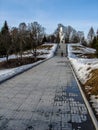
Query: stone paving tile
{"points": [[45, 97]]}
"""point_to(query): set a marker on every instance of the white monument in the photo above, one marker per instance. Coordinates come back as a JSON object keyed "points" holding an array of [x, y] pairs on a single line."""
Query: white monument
{"points": [[61, 35]]}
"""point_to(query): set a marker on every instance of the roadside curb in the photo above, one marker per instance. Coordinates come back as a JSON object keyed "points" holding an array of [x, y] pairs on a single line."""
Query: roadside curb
{"points": [[20, 70], [24, 68], [94, 120]]}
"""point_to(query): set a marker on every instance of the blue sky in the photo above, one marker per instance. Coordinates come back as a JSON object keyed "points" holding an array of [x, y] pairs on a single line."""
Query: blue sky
{"points": [[80, 14]]}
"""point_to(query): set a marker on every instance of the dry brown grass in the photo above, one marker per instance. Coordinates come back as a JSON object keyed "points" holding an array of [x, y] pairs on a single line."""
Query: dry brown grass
{"points": [[25, 60], [77, 47], [93, 82], [83, 53], [48, 47], [12, 63]]}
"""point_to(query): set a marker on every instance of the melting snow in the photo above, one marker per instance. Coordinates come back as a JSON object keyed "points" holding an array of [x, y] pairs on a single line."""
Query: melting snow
{"points": [[83, 67], [8, 73]]}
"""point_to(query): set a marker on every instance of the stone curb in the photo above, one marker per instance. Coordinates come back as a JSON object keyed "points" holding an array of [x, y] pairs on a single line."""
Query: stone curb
{"points": [[22, 69], [94, 120]]}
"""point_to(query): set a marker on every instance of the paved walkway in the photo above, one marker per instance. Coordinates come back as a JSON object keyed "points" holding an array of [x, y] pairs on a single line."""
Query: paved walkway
{"points": [[44, 98]]}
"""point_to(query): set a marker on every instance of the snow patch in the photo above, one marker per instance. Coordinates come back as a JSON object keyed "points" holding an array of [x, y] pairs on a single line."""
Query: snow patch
{"points": [[8, 73], [83, 67]]}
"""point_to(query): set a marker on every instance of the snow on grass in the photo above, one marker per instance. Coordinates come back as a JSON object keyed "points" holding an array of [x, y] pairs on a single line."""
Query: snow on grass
{"points": [[44, 51], [77, 50], [52, 51], [47, 53], [83, 67], [8, 73]]}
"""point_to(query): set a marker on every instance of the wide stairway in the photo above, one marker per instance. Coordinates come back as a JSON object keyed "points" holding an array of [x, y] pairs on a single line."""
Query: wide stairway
{"points": [[61, 50]]}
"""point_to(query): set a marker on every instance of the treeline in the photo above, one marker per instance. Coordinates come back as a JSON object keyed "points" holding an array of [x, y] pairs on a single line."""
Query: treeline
{"points": [[92, 40], [17, 40], [68, 34], [94, 43]]}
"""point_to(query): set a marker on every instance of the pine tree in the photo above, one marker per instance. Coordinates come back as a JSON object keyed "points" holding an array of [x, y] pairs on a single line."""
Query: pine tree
{"points": [[93, 43], [5, 29], [97, 45], [5, 40], [44, 39]]}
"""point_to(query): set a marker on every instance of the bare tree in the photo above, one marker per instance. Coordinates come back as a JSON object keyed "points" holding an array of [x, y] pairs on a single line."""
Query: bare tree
{"points": [[15, 40], [22, 31], [91, 35], [36, 35]]}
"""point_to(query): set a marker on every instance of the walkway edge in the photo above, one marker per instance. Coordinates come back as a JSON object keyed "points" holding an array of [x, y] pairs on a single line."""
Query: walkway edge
{"points": [[21, 69], [85, 99]]}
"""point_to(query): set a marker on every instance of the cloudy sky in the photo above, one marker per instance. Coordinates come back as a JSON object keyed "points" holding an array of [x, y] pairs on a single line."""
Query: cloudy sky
{"points": [[80, 14]]}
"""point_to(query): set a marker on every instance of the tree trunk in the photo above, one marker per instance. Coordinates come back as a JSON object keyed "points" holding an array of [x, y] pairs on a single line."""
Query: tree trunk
{"points": [[7, 57]]}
